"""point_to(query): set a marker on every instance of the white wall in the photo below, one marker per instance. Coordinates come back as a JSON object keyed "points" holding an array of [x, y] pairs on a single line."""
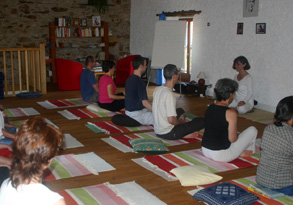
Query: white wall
{"points": [[216, 46]]}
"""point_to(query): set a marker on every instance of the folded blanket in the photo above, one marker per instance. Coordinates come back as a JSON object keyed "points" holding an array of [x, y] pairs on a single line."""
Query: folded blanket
{"points": [[20, 112]]}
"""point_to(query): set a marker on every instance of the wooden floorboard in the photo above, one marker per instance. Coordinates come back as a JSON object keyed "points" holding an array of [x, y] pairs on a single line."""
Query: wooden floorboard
{"points": [[126, 169]]}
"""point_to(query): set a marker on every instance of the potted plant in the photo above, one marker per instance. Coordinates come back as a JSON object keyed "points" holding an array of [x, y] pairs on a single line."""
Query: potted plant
{"points": [[100, 5]]}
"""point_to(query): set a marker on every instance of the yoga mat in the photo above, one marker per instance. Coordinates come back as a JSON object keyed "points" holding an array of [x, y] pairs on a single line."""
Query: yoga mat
{"points": [[163, 164], [121, 143], [77, 114], [244, 183], [17, 123], [63, 103], [70, 165], [114, 194], [71, 142], [260, 116], [20, 112], [110, 128]]}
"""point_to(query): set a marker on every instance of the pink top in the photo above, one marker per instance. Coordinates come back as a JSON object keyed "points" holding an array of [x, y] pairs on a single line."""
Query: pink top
{"points": [[104, 81]]}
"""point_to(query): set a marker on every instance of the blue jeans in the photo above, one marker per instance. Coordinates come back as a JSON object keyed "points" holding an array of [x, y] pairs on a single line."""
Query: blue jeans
{"points": [[7, 140], [288, 190]]}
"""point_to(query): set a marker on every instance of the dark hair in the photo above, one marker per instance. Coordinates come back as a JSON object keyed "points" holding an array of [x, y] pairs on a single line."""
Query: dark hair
{"points": [[224, 88], [107, 65], [242, 60], [284, 111], [88, 60], [36, 144], [169, 71], [137, 61]]}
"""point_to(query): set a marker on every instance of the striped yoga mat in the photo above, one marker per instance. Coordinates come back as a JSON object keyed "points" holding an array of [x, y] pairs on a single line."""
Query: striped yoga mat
{"points": [[76, 114], [17, 123], [244, 183], [20, 112], [63, 103], [260, 116], [121, 143], [163, 164], [70, 165], [114, 194], [109, 127]]}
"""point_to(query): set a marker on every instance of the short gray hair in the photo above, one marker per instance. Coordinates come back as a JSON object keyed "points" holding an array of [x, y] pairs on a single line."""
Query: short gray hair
{"points": [[224, 88], [169, 71]]}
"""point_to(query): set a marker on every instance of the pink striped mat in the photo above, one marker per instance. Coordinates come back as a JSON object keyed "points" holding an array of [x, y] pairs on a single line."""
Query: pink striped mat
{"points": [[66, 166], [163, 164], [84, 113], [121, 142], [114, 194]]}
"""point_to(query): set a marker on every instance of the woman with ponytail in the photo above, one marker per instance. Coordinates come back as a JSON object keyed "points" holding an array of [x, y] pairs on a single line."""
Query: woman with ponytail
{"points": [[35, 146], [275, 169]]}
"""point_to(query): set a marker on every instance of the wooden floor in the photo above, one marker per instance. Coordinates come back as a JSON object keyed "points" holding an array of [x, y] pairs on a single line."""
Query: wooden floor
{"points": [[126, 169]]}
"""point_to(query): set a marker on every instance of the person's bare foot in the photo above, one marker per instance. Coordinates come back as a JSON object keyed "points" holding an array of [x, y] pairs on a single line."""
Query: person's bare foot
{"points": [[192, 135], [246, 153]]}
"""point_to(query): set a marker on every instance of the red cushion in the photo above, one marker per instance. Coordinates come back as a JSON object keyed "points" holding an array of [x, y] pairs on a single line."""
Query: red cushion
{"points": [[68, 74], [124, 69]]}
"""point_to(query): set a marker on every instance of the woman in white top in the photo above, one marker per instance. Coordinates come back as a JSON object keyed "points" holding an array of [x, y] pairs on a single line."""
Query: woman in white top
{"points": [[35, 146], [243, 100]]}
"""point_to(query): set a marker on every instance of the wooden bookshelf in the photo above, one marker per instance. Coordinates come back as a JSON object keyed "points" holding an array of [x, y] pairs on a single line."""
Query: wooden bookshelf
{"points": [[53, 38]]}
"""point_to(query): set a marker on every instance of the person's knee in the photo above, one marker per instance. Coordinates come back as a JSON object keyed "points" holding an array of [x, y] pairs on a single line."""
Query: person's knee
{"points": [[252, 131]]}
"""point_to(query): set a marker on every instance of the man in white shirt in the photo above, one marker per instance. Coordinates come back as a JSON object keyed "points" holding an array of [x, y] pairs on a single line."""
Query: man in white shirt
{"points": [[169, 122]]}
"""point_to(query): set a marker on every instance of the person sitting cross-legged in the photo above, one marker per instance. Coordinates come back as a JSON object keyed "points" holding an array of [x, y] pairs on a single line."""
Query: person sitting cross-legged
{"points": [[169, 122], [221, 141]]}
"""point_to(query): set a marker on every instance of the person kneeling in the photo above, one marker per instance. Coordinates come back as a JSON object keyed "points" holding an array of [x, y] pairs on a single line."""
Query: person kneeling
{"points": [[169, 123]]}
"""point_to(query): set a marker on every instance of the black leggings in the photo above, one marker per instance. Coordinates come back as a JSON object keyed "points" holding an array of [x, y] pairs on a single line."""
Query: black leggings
{"points": [[114, 106], [181, 130]]}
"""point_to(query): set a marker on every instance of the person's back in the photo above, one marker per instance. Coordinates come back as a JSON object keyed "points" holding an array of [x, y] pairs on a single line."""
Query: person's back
{"points": [[27, 194], [87, 79], [135, 92], [276, 157]]}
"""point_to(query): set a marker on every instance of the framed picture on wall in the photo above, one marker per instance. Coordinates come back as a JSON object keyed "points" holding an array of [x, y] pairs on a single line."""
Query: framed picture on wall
{"points": [[239, 28], [83, 22], [76, 22], [250, 8], [260, 28]]}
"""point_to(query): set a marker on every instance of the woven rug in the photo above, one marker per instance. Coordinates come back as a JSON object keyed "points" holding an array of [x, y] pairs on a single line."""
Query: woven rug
{"points": [[244, 183], [109, 127], [163, 164], [114, 194], [17, 123], [20, 112], [70, 165], [76, 114], [121, 143], [63, 103], [260, 116]]}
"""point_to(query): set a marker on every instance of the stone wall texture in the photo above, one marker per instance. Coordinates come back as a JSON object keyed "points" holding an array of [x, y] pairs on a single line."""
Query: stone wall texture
{"points": [[27, 21]]}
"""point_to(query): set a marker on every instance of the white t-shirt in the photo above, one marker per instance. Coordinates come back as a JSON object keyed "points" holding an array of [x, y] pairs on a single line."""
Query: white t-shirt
{"points": [[164, 106], [245, 89], [30, 194]]}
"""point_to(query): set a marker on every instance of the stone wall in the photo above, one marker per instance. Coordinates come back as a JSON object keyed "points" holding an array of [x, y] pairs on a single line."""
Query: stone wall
{"points": [[27, 21]]}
